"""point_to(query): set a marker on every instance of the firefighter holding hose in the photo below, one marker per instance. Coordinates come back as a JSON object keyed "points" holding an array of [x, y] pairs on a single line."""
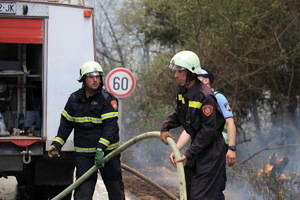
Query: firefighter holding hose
{"points": [[229, 131], [197, 111], [92, 113]]}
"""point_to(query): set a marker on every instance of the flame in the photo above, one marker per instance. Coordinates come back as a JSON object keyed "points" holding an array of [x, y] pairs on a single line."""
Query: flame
{"points": [[269, 168], [273, 160], [283, 176]]}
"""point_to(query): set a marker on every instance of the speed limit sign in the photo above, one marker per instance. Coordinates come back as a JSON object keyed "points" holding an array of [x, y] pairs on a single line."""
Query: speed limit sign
{"points": [[120, 82]]}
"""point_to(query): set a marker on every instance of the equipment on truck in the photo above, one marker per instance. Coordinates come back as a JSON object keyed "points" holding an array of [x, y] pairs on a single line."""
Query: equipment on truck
{"points": [[37, 40]]}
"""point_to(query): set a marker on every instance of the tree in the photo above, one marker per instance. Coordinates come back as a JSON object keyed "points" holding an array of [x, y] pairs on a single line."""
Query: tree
{"points": [[251, 46]]}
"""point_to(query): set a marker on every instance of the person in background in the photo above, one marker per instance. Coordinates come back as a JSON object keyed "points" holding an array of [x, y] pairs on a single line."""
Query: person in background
{"points": [[229, 132], [197, 111], [92, 113]]}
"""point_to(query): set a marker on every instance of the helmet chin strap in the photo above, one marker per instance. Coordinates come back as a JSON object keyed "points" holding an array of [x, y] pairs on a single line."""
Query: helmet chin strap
{"points": [[187, 83], [189, 77]]}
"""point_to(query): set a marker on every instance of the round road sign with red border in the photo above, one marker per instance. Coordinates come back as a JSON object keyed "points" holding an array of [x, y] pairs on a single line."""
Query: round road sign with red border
{"points": [[120, 82]]}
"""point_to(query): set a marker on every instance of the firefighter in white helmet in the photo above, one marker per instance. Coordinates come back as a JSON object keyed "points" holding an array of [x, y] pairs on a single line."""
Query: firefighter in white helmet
{"points": [[92, 113], [198, 113], [229, 131], [186, 60]]}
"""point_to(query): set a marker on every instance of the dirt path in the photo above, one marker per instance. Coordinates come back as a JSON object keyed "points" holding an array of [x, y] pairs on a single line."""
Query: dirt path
{"points": [[144, 191]]}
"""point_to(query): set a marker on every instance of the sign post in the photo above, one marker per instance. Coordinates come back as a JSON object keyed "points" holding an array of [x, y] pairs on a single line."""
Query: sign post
{"points": [[121, 83]]}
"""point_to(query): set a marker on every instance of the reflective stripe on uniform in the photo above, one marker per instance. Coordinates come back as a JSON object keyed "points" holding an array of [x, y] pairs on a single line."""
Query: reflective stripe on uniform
{"points": [[93, 150], [113, 146], [81, 119], [85, 150], [89, 119], [59, 140], [109, 115], [195, 104], [225, 135], [104, 141], [67, 116], [180, 98], [192, 104]]}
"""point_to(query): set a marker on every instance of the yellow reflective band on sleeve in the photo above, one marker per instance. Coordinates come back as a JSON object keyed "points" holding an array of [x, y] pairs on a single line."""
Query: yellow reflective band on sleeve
{"points": [[59, 140], [180, 98], [195, 104], [113, 146], [67, 116], [84, 150], [104, 142], [109, 115]]}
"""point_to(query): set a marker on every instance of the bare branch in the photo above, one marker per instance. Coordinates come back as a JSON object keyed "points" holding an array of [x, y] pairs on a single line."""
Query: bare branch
{"points": [[267, 148]]}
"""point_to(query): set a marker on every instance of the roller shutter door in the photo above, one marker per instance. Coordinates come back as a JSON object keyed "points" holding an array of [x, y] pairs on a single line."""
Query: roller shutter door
{"points": [[21, 31]]}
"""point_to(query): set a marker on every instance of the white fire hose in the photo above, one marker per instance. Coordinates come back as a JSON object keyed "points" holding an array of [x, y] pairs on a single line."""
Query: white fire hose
{"points": [[126, 145]]}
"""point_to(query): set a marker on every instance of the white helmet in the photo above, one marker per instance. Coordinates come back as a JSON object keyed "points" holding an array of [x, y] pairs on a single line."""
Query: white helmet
{"points": [[186, 60], [90, 67]]}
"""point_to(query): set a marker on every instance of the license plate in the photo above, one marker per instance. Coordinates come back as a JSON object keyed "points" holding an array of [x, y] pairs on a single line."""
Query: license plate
{"points": [[8, 8]]}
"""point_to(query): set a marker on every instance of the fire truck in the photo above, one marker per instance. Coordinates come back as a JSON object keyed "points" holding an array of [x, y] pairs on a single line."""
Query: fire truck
{"points": [[42, 46]]}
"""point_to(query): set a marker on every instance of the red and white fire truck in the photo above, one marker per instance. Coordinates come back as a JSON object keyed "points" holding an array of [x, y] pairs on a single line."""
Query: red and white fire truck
{"points": [[42, 46]]}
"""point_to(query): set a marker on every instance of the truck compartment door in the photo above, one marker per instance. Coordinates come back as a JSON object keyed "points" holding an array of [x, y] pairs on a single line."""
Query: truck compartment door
{"points": [[28, 31]]}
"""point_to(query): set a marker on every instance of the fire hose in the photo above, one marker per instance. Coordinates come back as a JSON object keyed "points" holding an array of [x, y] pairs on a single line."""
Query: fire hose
{"points": [[126, 145], [148, 180]]}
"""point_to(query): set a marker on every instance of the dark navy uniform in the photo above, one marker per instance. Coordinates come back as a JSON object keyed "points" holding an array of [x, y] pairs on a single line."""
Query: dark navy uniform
{"points": [[95, 124], [198, 112]]}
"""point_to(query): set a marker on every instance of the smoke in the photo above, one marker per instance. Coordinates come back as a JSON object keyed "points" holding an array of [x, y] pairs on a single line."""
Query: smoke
{"points": [[258, 140], [259, 136], [151, 158]]}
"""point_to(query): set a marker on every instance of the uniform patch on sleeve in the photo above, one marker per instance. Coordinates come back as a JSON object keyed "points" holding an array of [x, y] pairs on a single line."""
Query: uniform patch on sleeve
{"points": [[207, 109], [227, 106], [114, 104]]}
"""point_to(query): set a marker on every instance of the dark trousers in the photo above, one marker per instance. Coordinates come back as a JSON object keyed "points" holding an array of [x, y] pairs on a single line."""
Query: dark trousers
{"points": [[111, 174], [205, 175], [193, 182], [223, 186]]}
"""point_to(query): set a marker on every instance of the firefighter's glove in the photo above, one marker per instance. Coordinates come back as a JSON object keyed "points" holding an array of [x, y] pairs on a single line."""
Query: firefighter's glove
{"points": [[53, 151], [99, 160]]}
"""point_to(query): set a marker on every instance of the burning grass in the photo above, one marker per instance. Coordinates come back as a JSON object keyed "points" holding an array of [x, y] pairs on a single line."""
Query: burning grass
{"points": [[273, 182], [273, 186]]}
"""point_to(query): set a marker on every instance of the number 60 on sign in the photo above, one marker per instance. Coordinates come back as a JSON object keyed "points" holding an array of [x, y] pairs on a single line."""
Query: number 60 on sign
{"points": [[120, 82]]}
